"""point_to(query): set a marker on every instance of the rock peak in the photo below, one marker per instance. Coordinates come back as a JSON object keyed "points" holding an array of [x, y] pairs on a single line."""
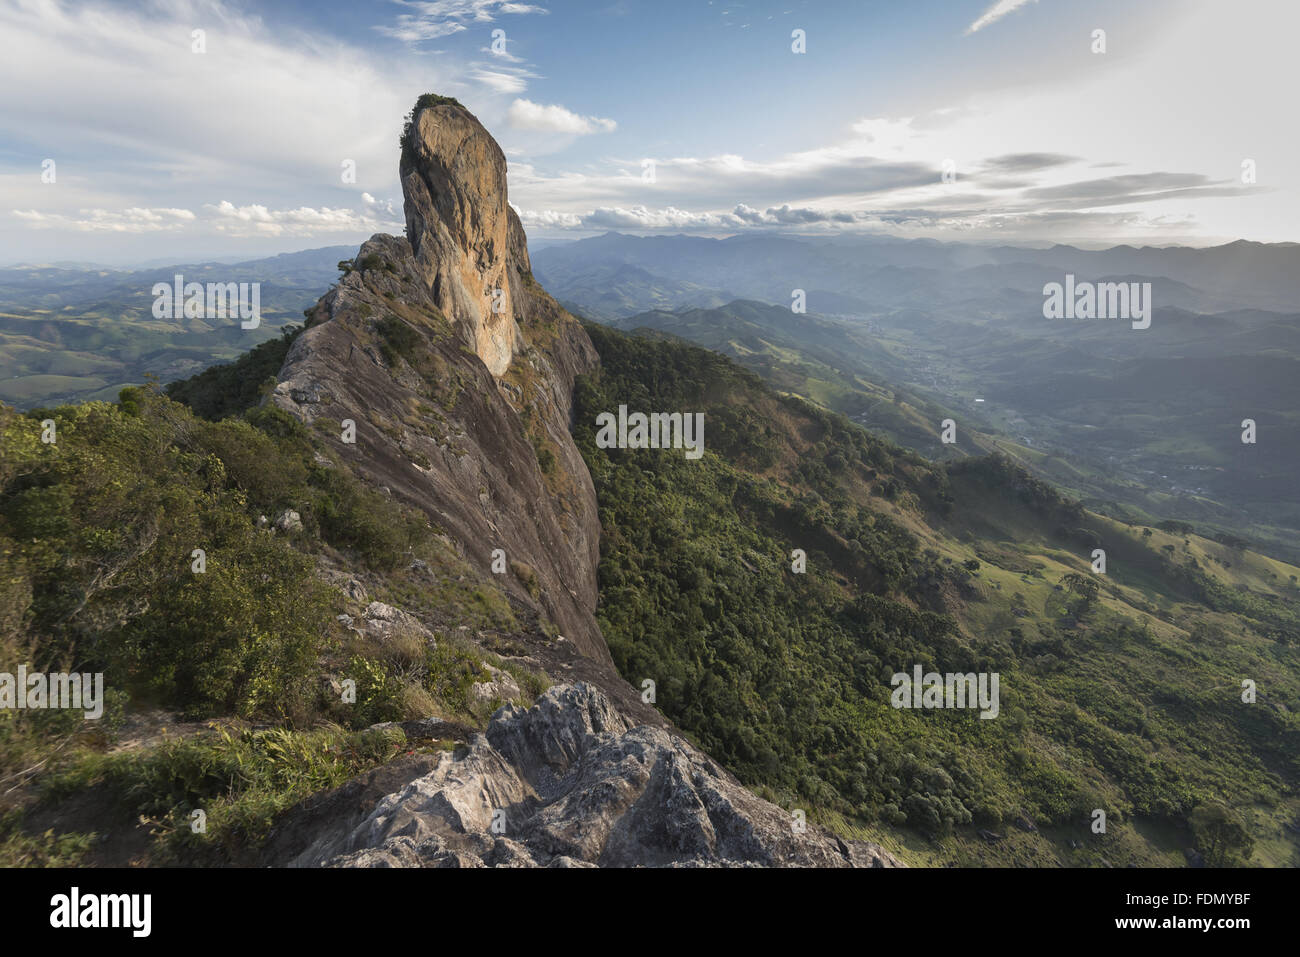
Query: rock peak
{"points": [[468, 243], [418, 349]]}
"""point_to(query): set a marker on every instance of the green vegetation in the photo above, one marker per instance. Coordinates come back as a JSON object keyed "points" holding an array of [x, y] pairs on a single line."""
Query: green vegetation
{"points": [[113, 511], [1135, 430], [1221, 835], [1121, 692], [100, 571], [239, 780], [397, 339], [230, 389], [18, 848], [785, 677]]}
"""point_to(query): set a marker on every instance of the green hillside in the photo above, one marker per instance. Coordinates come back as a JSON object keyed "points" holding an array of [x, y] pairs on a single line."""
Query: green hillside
{"points": [[1121, 692], [1141, 437], [82, 334], [98, 532]]}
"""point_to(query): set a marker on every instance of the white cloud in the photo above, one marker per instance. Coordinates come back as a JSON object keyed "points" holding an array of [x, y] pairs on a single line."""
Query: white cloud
{"points": [[906, 223], [130, 114], [996, 12], [553, 118], [441, 18], [1026, 153], [549, 219], [379, 205], [504, 81], [503, 55], [676, 219], [131, 220], [640, 217], [225, 217], [121, 92], [259, 220]]}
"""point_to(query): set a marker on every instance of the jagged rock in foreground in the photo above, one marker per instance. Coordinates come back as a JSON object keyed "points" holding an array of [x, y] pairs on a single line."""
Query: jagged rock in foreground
{"points": [[571, 782]]}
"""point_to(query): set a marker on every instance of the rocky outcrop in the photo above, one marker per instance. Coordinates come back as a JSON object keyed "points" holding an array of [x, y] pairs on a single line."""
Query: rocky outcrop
{"points": [[467, 241], [457, 372], [441, 373], [569, 782]]}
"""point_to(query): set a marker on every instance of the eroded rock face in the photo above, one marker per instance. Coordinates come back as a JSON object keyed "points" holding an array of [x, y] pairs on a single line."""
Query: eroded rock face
{"points": [[468, 243], [459, 410], [573, 782], [456, 371]]}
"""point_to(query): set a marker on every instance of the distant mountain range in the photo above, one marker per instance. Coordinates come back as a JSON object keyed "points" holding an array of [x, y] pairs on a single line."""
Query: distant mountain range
{"points": [[73, 333], [883, 274], [1140, 423], [406, 603]]}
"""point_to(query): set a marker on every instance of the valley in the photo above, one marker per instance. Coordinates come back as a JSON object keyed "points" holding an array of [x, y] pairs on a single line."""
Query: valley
{"points": [[493, 622], [960, 565], [1131, 421]]}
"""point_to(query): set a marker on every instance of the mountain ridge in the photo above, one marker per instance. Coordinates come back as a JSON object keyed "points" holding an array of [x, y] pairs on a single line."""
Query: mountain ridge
{"points": [[492, 462], [386, 349], [441, 624]]}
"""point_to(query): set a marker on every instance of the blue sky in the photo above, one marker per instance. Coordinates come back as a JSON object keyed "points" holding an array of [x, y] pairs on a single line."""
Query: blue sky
{"points": [[162, 151]]}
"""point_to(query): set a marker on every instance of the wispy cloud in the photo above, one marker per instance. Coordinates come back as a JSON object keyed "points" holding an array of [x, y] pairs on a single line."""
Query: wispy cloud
{"points": [[432, 19], [133, 220], [502, 80], [957, 221], [224, 217], [995, 13], [553, 118], [1027, 162], [1135, 188], [885, 178]]}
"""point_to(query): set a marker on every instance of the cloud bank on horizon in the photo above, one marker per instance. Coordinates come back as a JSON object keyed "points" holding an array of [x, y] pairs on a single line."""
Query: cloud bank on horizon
{"points": [[196, 126]]}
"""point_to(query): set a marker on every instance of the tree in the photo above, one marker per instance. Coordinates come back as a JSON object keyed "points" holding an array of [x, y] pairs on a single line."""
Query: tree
{"points": [[1220, 834], [1084, 588]]}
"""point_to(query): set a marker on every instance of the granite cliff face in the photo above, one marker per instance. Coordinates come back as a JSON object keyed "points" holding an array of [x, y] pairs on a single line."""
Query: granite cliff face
{"points": [[467, 242], [461, 410], [440, 372]]}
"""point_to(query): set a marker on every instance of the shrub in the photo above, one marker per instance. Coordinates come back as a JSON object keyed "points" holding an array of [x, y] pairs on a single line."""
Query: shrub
{"points": [[397, 339], [357, 518], [230, 389], [241, 780]]}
